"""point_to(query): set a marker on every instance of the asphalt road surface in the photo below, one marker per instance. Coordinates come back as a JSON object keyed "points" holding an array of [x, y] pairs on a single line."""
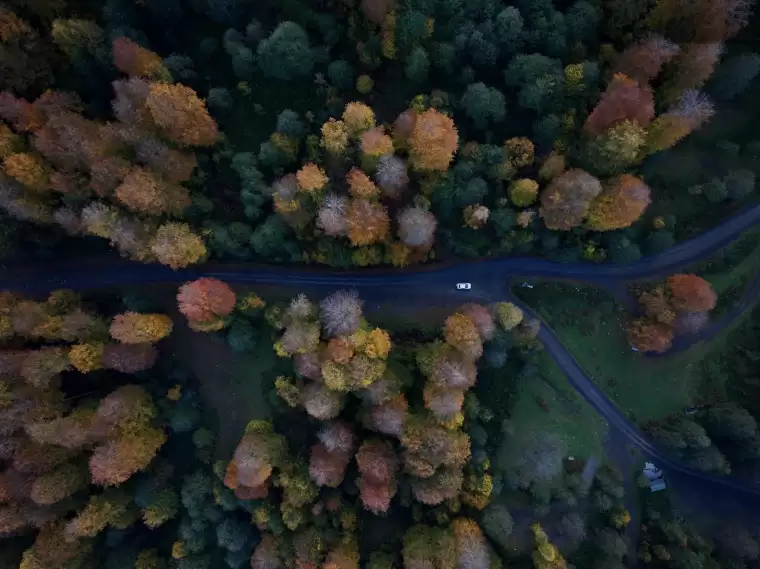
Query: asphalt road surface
{"points": [[488, 278]]}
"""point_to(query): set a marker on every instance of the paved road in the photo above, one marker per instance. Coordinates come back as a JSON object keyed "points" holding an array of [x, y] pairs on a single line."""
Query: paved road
{"points": [[488, 278], [607, 409]]}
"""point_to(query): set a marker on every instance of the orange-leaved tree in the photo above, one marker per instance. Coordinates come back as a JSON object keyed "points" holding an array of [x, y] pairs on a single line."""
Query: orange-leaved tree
{"points": [[136, 61], [433, 141], [689, 292], [205, 302], [181, 115], [624, 99], [621, 202]]}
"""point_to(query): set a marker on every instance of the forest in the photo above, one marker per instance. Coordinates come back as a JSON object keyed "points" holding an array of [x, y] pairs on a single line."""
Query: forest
{"points": [[206, 422], [355, 133]]}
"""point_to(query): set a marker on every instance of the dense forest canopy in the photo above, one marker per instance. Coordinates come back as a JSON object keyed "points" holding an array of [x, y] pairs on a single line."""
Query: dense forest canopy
{"points": [[354, 133], [375, 132]]}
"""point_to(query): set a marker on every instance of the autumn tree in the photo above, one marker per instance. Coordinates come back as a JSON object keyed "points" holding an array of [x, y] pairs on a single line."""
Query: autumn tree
{"points": [[205, 301], [29, 170], [143, 192], [335, 137], [433, 141], [523, 192], [691, 293], [111, 508], [136, 61], [259, 451], [565, 201], [691, 111], [135, 328], [180, 115], [377, 465], [367, 222], [358, 119], [416, 227], [461, 332], [690, 70], [621, 202], [644, 60], [175, 245], [648, 336], [545, 554], [624, 99]]}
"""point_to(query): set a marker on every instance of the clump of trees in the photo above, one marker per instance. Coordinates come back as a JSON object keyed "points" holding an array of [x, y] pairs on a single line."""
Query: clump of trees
{"points": [[381, 430], [712, 439], [668, 539], [122, 180], [533, 99], [351, 180], [681, 305], [71, 457]]}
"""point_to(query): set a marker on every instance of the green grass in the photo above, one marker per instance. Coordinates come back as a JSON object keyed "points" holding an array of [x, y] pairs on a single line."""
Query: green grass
{"points": [[234, 386], [592, 327], [544, 402]]}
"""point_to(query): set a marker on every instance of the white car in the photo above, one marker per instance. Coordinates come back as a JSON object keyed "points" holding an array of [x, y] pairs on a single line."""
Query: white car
{"points": [[464, 286]]}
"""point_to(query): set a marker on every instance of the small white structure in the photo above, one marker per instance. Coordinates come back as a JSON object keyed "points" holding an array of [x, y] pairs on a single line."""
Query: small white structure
{"points": [[654, 476]]}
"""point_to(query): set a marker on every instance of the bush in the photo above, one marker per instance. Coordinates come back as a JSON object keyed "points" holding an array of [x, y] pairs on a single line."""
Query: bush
{"points": [[659, 241], [219, 99], [290, 124], [740, 184], [341, 74]]}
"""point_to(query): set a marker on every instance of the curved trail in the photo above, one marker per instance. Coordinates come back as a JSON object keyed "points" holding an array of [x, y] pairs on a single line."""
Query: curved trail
{"points": [[488, 277]]}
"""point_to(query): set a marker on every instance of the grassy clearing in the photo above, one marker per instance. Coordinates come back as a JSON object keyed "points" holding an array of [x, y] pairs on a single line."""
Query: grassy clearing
{"points": [[538, 402], [568, 413], [592, 327], [234, 385]]}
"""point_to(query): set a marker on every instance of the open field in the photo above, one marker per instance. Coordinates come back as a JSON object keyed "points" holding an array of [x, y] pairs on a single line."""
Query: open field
{"points": [[543, 402]]}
